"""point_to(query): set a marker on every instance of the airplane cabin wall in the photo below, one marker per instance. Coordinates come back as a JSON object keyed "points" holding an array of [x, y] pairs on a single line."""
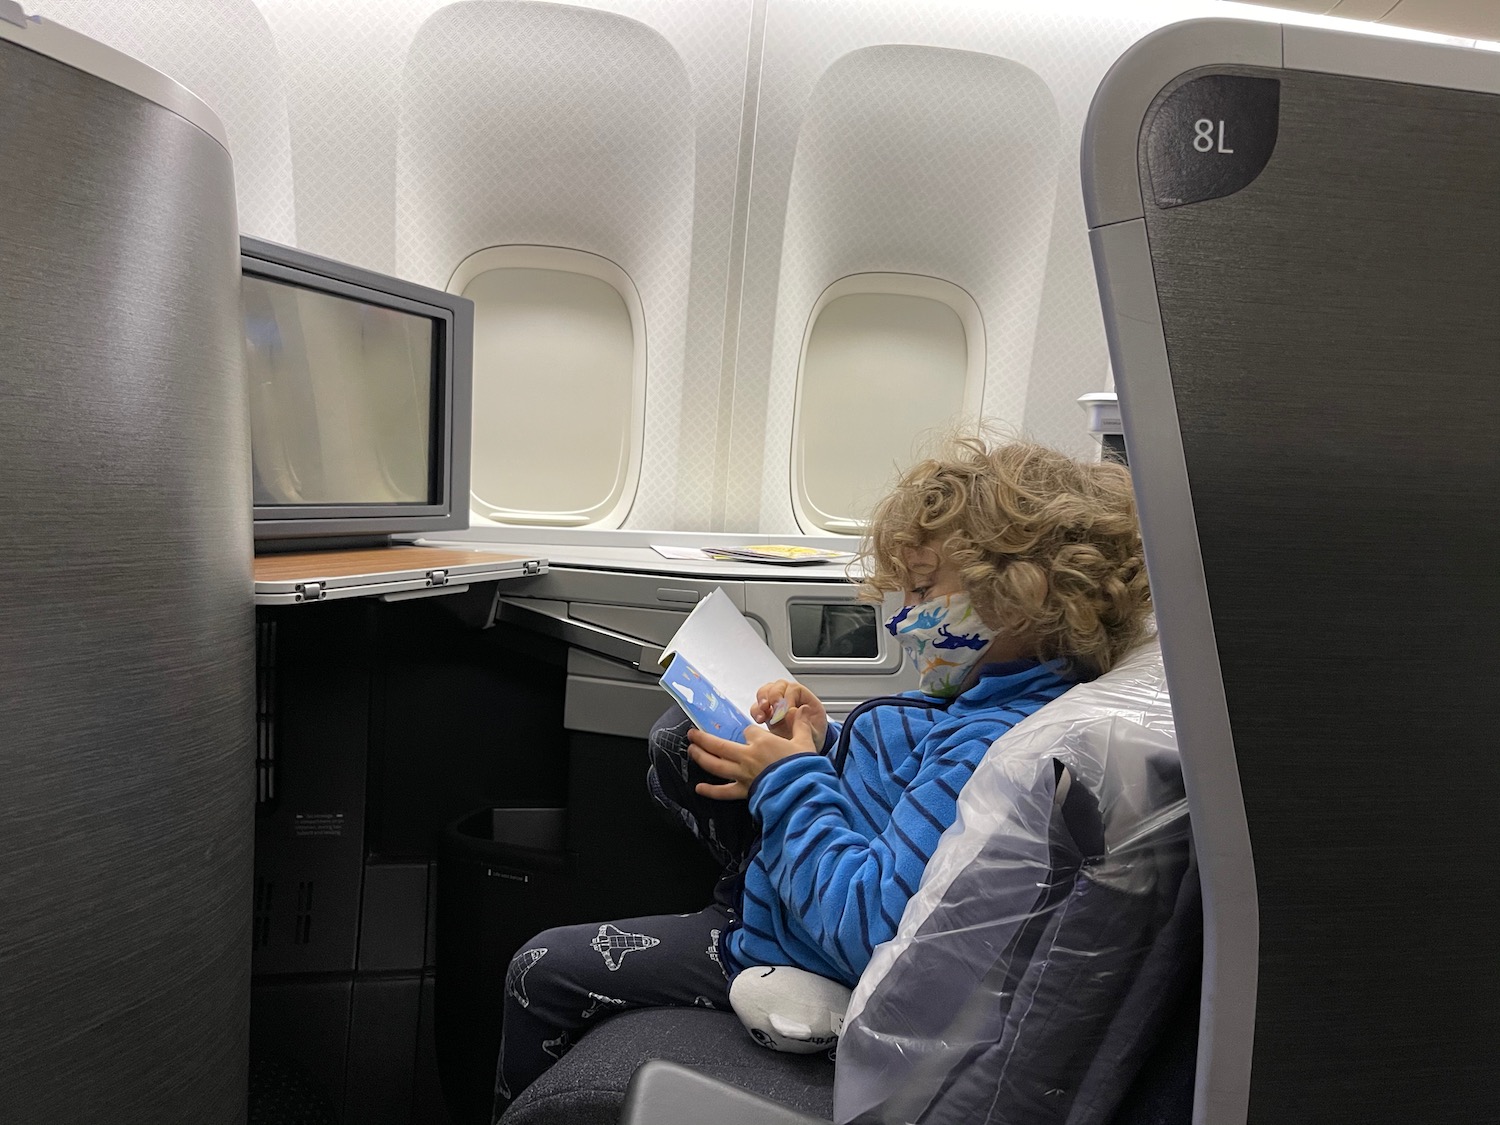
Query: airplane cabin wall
{"points": [[558, 126], [734, 158], [225, 52], [911, 138]]}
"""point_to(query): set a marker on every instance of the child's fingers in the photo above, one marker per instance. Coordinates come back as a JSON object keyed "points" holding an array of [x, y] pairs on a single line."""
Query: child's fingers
{"points": [[722, 747], [768, 697], [734, 791], [712, 763], [802, 727], [795, 696], [801, 697], [775, 700]]}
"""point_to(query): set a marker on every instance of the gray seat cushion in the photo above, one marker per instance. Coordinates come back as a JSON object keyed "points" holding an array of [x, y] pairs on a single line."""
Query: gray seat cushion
{"points": [[587, 1087]]}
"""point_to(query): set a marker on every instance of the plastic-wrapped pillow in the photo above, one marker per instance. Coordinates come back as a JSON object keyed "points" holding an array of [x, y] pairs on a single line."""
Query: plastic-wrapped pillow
{"points": [[1054, 927]]}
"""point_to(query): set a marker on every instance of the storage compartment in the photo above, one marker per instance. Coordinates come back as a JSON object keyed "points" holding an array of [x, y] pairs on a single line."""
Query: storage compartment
{"points": [[378, 724], [299, 1048], [502, 876], [313, 681], [506, 874], [635, 857], [380, 1079]]}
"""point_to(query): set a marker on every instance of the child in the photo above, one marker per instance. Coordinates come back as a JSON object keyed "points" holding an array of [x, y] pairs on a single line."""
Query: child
{"points": [[1022, 573]]}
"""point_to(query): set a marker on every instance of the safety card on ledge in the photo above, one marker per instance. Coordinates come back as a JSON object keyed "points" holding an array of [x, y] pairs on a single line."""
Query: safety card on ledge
{"points": [[782, 554], [715, 663]]}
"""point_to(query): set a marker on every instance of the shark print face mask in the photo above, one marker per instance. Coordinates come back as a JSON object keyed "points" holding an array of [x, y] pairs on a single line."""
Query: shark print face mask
{"points": [[944, 638]]}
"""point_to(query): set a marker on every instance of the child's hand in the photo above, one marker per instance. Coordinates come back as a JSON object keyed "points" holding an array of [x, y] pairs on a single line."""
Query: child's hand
{"points": [[795, 696], [741, 763]]}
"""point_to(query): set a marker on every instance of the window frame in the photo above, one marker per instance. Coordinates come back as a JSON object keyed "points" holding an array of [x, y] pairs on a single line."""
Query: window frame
{"points": [[810, 518], [613, 510]]}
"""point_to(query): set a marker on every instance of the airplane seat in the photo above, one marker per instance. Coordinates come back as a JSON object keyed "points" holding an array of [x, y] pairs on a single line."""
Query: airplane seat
{"points": [[589, 1085], [1049, 959], [1302, 328]]}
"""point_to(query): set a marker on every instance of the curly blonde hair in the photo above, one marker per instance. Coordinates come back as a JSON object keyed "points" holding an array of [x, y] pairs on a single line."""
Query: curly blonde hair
{"points": [[1048, 548]]}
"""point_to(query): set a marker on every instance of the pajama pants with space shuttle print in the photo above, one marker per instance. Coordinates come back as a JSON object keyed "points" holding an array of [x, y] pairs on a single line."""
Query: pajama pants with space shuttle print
{"points": [[566, 979]]}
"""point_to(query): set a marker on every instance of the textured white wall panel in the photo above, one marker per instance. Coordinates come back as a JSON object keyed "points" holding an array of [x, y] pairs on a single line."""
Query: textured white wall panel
{"points": [[343, 61], [713, 38], [543, 124], [926, 161], [1068, 45], [346, 60], [728, 260], [223, 51]]}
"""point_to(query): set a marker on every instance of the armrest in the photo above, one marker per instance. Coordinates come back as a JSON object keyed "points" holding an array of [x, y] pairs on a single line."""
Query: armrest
{"points": [[663, 1093]]}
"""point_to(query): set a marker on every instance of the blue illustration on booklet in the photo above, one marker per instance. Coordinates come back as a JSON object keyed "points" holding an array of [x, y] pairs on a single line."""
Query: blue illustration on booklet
{"points": [[709, 710]]}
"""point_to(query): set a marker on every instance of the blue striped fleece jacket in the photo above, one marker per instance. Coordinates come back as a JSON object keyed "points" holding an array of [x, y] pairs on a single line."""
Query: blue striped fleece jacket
{"points": [[845, 835]]}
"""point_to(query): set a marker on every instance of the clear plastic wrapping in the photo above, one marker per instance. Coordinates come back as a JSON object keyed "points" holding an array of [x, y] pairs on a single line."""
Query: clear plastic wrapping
{"points": [[1054, 927]]}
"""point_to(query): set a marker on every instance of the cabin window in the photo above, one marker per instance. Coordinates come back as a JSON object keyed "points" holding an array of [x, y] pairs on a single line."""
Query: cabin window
{"points": [[886, 360], [559, 386]]}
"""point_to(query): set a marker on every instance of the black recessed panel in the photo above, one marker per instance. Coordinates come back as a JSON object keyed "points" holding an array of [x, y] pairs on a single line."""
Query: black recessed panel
{"points": [[1333, 330], [1211, 137]]}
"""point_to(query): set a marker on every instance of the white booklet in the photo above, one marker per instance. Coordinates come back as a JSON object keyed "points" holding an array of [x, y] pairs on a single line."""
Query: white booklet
{"points": [[715, 663]]}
